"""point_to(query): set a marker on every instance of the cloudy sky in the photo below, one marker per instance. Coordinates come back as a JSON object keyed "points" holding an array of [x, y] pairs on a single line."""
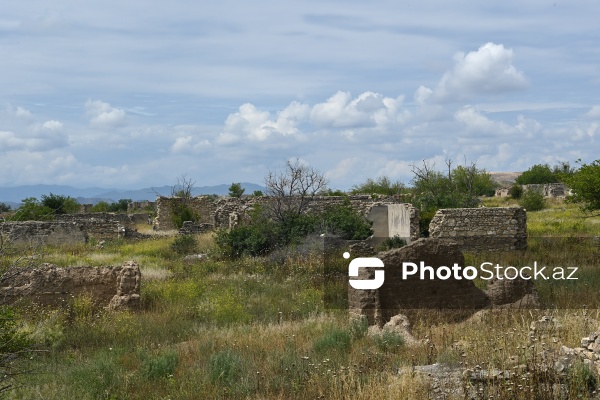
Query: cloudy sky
{"points": [[131, 94]]}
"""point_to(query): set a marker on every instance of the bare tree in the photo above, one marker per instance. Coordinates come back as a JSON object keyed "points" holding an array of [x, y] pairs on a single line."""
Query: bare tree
{"points": [[292, 188], [183, 188]]}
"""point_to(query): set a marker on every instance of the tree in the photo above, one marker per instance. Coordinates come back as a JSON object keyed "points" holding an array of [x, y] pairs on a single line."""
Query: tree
{"points": [[120, 206], [181, 210], [101, 206], [453, 188], [257, 193], [236, 190], [585, 185], [60, 204], [291, 188], [4, 207], [538, 174], [382, 185], [32, 210]]}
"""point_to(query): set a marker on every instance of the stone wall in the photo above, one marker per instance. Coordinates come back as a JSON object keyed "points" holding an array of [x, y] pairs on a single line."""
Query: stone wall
{"points": [[482, 229], [71, 228], [203, 206], [227, 212], [113, 287], [35, 233], [398, 295], [548, 190]]}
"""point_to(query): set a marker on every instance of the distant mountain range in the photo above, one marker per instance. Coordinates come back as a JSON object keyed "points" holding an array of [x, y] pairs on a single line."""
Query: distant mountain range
{"points": [[14, 195]]}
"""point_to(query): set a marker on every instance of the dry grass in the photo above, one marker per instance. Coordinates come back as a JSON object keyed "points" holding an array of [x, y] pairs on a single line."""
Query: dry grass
{"points": [[254, 328]]}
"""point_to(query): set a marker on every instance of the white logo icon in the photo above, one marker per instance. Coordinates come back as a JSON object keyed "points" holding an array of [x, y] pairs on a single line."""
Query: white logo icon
{"points": [[365, 262]]}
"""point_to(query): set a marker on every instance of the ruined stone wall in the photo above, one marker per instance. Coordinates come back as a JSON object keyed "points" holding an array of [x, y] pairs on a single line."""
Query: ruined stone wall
{"points": [[35, 233], [113, 287], [203, 206], [482, 229], [398, 295], [100, 225], [548, 190], [227, 212]]}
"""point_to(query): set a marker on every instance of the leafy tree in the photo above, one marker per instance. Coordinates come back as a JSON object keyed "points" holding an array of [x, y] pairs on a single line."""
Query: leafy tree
{"points": [[585, 185], [60, 204], [330, 192], [454, 188], [120, 206], [563, 171], [538, 174], [4, 207], [32, 210], [101, 206], [257, 193], [236, 190], [382, 185]]}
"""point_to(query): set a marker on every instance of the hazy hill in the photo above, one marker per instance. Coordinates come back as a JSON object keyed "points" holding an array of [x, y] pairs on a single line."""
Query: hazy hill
{"points": [[92, 195]]}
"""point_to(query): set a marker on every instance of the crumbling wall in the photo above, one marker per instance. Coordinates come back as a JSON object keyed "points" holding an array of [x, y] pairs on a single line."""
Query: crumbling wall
{"points": [[227, 212], [203, 206], [115, 287], [398, 295], [482, 229], [42, 232], [100, 225]]}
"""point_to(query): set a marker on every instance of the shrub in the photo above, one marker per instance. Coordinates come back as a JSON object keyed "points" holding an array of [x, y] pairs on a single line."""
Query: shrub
{"points": [[515, 191], [181, 213], [160, 366], [336, 340], [344, 221], [533, 200], [392, 243], [184, 244], [251, 240], [226, 367], [388, 340]]}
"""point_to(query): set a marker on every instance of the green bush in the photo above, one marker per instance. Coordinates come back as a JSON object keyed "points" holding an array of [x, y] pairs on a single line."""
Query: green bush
{"points": [[184, 244], [533, 200], [160, 366], [343, 221], [11, 339], [226, 367], [392, 243], [181, 213], [249, 240], [516, 191], [388, 340], [336, 340]]}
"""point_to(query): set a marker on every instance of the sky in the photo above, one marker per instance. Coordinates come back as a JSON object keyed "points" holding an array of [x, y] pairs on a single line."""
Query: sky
{"points": [[130, 94]]}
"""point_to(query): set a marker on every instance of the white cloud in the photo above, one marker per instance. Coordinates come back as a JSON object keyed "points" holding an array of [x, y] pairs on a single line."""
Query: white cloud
{"points": [[9, 141], [367, 110], [186, 144], [21, 112], [52, 125], [594, 112], [478, 124], [103, 115], [488, 70]]}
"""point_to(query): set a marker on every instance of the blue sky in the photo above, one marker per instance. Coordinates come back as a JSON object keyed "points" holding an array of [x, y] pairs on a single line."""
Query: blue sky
{"points": [[131, 94]]}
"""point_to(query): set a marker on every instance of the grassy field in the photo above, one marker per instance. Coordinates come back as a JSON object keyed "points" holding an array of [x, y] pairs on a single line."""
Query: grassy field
{"points": [[257, 328]]}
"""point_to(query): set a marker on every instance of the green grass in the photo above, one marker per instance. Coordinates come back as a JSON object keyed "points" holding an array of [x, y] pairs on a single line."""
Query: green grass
{"points": [[256, 328]]}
